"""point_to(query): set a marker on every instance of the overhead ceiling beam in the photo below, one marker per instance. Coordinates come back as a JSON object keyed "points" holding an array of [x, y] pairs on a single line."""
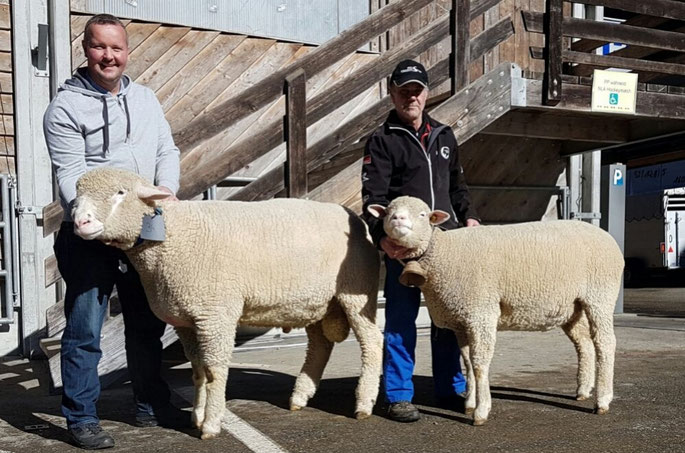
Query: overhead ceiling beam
{"points": [[561, 127]]}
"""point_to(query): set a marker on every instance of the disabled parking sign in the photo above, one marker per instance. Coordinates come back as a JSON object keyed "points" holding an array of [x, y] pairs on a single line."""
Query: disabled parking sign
{"points": [[614, 92]]}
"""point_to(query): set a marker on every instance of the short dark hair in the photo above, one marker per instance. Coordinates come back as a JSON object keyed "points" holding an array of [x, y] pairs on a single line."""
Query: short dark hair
{"points": [[101, 19]]}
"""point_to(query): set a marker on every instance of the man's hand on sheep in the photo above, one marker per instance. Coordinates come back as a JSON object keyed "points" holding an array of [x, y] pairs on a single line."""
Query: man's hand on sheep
{"points": [[393, 249], [172, 196], [472, 222]]}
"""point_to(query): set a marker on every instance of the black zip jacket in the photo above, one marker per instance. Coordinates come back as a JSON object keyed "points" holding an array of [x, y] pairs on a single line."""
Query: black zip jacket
{"points": [[396, 163]]}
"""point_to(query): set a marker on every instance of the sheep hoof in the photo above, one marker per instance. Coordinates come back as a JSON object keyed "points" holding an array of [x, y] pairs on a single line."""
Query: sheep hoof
{"points": [[601, 410], [413, 274], [295, 407], [582, 397], [361, 415], [469, 411], [206, 436], [479, 421]]}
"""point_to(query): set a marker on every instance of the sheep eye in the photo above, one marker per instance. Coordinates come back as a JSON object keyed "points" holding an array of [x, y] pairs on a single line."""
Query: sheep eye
{"points": [[423, 214], [121, 192]]}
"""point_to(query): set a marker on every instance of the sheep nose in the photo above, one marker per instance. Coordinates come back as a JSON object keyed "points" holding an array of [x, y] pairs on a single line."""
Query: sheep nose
{"points": [[82, 222]]}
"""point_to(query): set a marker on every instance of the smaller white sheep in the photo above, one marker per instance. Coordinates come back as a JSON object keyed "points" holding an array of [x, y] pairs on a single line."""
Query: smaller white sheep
{"points": [[529, 276], [278, 263]]}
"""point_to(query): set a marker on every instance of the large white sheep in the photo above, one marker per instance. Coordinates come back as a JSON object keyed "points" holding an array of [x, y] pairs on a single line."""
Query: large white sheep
{"points": [[530, 276], [279, 263]]}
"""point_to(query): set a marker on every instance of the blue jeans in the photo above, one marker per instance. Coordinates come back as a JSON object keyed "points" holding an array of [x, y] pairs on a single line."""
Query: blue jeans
{"points": [[401, 310], [90, 270]]}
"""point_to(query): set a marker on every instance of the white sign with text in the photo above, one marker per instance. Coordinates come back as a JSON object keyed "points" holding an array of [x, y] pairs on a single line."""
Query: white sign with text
{"points": [[614, 92]]}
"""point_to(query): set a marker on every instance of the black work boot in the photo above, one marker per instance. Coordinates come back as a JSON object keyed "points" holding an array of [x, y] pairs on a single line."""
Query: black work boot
{"points": [[166, 416], [403, 411], [91, 437]]}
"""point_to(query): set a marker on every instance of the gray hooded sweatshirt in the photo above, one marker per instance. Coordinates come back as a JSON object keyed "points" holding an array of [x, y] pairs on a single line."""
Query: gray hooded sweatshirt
{"points": [[87, 128]]}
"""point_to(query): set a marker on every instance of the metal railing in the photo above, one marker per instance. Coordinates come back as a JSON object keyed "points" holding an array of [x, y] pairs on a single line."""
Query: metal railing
{"points": [[9, 265]]}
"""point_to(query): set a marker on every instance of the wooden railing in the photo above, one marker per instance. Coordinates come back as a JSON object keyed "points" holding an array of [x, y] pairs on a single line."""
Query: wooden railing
{"points": [[653, 36], [201, 169]]}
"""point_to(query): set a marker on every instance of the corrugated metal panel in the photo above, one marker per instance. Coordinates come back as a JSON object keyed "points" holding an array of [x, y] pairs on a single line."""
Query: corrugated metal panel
{"points": [[308, 21]]}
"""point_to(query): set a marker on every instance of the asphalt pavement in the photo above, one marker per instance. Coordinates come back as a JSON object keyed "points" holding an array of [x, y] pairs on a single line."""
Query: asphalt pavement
{"points": [[532, 380]]}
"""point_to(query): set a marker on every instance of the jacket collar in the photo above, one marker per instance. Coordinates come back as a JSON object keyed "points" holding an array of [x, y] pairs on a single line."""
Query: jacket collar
{"points": [[394, 121]]}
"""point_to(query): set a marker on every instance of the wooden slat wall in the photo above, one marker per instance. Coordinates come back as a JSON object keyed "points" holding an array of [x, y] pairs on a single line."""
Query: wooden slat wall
{"points": [[515, 49], [6, 91], [193, 70]]}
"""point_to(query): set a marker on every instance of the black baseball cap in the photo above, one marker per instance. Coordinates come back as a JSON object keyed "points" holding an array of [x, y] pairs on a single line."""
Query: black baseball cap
{"points": [[408, 71]]}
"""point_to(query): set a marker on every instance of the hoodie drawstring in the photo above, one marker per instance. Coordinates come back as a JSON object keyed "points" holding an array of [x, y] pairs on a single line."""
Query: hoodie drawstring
{"points": [[128, 119], [105, 129]]}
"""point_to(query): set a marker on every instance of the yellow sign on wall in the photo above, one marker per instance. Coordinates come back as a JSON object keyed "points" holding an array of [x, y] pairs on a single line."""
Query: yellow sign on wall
{"points": [[614, 92]]}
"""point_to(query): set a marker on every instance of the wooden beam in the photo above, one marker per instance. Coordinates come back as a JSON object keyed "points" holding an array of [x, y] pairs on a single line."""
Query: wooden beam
{"points": [[483, 102], [589, 45], [267, 91], [559, 127], [459, 31], [658, 8], [626, 52], [553, 62], [338, 141], [271, 183], [52, 274], [533, 21], [608, 61], [576, 98], [199, 170], [569, 148], [626, 34], [488, 39], [479, 7], [52, 217], [296, 133]]}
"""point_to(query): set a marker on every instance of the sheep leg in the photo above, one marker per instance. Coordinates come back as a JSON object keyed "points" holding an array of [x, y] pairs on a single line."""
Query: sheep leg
{"points": [[602, 330], [482, 335], [363, 323], [318, 351], [200, 400], [470, 403], [578, 331], [215, 335], [190, 347]]}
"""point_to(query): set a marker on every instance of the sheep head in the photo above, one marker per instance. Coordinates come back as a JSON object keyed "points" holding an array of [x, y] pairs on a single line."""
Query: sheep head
{"points": [[409, 222], [110, 205]]}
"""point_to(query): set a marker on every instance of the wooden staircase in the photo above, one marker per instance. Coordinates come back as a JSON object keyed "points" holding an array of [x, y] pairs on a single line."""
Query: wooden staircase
{"points": [[490, 62]]}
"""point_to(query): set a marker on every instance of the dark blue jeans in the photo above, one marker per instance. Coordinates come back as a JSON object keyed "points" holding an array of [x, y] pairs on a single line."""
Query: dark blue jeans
{"points": [[90, 270], [401, 310]]}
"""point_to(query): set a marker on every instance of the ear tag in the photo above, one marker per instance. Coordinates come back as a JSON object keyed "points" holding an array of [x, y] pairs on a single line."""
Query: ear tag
{"points": [[153, 227]]}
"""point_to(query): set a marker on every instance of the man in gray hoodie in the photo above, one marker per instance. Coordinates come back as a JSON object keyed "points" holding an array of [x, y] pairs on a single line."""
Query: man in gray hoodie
{"points": [[100, 117]]}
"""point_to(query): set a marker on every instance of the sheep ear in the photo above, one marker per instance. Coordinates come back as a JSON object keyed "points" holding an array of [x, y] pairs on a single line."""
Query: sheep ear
{"points": [[437, 217], [376, 210], [148, 194]]}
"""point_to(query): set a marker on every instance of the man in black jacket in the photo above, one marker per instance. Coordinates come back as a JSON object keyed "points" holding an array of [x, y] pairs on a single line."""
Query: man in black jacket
{"points": [[412, 154]]}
